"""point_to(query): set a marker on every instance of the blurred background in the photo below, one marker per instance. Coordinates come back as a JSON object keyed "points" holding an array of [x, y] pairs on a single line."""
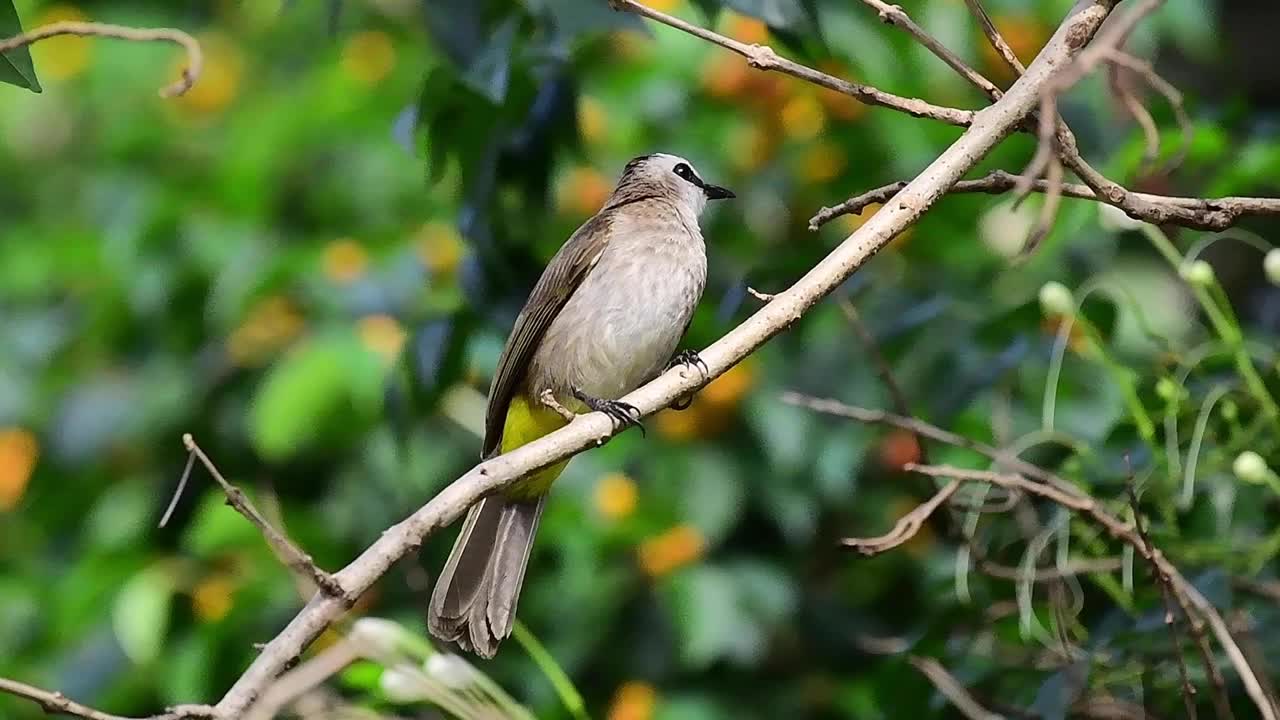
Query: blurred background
{"points": [[311, 260]]}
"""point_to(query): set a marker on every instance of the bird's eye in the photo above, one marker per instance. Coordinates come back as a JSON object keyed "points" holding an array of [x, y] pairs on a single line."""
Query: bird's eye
{"points": [[683, 171]]}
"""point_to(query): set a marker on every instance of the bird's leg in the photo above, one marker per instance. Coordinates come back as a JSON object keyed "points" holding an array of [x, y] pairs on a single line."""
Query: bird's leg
{"points": [[549, 399], [623, 414], [687, 359]]}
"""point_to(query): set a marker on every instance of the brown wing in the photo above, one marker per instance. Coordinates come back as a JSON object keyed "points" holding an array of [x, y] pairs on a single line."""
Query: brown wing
{"points": [[559, 280]]}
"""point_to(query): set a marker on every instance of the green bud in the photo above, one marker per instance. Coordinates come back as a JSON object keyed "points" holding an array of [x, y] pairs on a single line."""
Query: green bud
{"points": [[1250, 467], [1230, 411], [1056, 299], [1167, 389], [1271, 266], [1197, 272]]}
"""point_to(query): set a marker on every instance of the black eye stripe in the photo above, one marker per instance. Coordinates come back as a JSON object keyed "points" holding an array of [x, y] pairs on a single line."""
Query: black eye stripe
{"points": [[684, 172]]}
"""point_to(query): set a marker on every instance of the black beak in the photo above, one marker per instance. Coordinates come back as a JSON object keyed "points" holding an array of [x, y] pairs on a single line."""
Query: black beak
{"points": [[715, 192]]}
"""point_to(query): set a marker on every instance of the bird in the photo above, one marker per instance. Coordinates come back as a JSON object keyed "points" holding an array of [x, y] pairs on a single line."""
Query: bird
{"points": [[605, 317]]}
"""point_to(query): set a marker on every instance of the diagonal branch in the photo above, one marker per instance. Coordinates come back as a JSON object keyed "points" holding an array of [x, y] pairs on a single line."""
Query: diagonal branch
{"points": [[989, 127], [895, 15], [288, 553], [995, 38], [195, 58]]}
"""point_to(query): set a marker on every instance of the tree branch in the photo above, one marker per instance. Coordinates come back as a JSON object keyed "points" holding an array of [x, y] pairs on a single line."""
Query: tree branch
{"points": [[289, 554], [56, 702], [763, 57], [195, 58], [989, 127], [1207, 213]]}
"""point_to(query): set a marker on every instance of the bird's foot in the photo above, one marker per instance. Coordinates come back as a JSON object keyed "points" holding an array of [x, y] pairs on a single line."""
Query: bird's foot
{"points": [[624, 415], [687, 359], [548, 399]]}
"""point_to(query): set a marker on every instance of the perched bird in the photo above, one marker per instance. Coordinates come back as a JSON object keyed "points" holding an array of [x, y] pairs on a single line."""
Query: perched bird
{"points": [[604, 318]]}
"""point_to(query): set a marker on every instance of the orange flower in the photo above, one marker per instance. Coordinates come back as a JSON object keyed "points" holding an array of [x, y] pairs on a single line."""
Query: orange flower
{"points": [[19, 451], [211, 599], [583, 191], [728, 389], [803, 117], [899, 448], [671, 550], [746, 29], [634, 700]]}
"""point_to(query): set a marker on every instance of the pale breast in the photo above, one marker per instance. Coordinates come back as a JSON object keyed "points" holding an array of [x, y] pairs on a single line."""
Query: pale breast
{"points": [[622, 325]]}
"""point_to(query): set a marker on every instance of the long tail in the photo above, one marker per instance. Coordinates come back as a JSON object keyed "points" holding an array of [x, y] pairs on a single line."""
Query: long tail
{"points": [[474, 600]]}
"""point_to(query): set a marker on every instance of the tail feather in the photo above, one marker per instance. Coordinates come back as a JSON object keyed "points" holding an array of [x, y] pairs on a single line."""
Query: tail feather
{"points": [[474, 601]]}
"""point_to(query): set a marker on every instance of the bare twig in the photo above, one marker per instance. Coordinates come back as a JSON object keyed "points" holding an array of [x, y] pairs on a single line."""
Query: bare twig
{"points": [[177, 493], [304, 678], [761, 296], [1166, 596], [1047, 574], [895, 15], [994, 37], [195, 58], [906, 527], [951, 689], [56, 702], [1121, 87], [764, 58], [288, 553], [1171, 94], [590, 429], [1209, 213]]}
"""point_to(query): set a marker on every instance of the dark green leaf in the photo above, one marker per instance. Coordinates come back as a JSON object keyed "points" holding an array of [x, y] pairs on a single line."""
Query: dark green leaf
{"points": [[15, 65]]}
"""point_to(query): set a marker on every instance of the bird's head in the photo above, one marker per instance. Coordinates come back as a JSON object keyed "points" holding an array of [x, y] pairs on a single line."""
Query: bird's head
{"points": [[670, 176]]}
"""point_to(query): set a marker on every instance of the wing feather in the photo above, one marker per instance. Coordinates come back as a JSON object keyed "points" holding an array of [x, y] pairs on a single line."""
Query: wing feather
{"points": [[559, 280]]}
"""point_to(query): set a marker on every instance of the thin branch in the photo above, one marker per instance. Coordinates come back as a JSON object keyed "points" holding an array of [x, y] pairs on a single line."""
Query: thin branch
{"points": [[763, 57], [1120, 86], [591, 429], [288, 553], [1166, 596], [56, 702], [304, 678], [906, 527], [1209, 213], [951, 689], [1047, 574], [195, 58], [995, 38], [895, 15], [1171, 94]]}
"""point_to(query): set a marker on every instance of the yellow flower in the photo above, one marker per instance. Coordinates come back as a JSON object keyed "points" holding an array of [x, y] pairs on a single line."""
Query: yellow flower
{"points": [[63, 56], [19, 451], [592, 119], [271, 324], [440, 248], [822, 162], [616, 496], [727, 390], [369, 56], [345, 260], [670, 550], [383, 335], [803, 117], [634, 700], [211, 599], [680, 425]]}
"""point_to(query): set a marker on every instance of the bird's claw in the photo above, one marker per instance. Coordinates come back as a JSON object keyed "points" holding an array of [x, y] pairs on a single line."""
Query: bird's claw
{"points": [[689, 358], [622, 414]]}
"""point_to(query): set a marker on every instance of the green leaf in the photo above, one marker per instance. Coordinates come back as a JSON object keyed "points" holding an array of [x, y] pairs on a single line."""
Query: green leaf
{"points": [[15, 65], [140, 616], [311, 390]]}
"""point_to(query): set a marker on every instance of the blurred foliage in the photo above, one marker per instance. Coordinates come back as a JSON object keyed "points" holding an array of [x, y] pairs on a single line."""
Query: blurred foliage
{"points": [[311, 260]]}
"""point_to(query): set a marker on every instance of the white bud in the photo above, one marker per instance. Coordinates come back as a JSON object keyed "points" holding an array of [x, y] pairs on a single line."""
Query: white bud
{"points": [[1197, 272], [376, 637], [1250, 467], [403, 685], [1056, 299], [1271, 266], [449, 669], [1114, 219]]}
